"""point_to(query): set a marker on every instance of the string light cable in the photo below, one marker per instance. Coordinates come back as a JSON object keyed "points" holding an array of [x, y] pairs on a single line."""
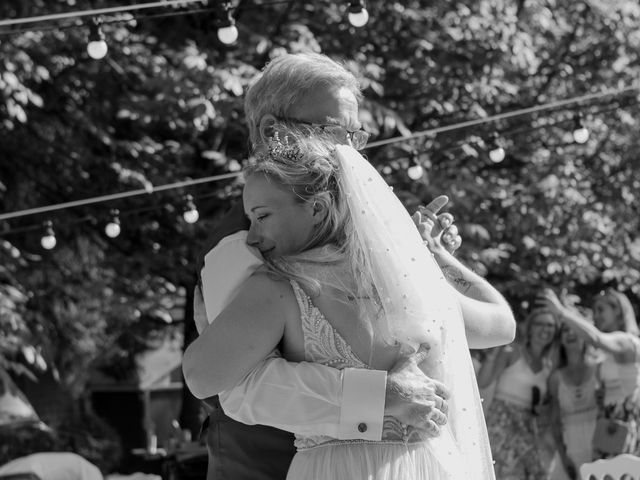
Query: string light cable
{"points": [[115, 217], [116, 196], [485, 144], [389, 141], [97, 12], [506, 115], [412, 155], [126, 17]]}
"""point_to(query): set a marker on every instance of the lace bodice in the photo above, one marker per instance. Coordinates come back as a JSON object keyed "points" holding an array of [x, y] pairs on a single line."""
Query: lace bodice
{"points": [[324, 344]]}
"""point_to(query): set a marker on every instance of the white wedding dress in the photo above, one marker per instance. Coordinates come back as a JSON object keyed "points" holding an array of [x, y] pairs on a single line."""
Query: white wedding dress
{"points": [[404, 452]]}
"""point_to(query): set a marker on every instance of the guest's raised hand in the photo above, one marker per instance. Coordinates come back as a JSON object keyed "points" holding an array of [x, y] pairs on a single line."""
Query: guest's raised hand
{"points": [[549, 300], [414, 398]]}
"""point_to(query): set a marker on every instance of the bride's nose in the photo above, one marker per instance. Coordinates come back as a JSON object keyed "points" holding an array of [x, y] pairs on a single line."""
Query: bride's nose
{"points": [[253, 238]]}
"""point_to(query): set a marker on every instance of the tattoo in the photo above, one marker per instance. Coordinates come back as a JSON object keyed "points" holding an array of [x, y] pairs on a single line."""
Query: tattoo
{"points": [[454, 277]]}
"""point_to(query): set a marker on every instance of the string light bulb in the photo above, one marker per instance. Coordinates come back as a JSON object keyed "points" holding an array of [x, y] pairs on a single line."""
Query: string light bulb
{"points": [[190, 212], [497, 153], [227, 30], [415, 171], [112, 229], [358, 15], [97, 47], [580, 132], [48, 240]]}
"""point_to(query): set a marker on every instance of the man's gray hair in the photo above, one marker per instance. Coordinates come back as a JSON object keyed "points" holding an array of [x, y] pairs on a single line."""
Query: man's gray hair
{"points": [[285, 81]]}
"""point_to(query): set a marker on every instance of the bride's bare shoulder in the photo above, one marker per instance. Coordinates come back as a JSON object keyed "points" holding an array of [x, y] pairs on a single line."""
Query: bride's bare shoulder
{"points": [[267, 287]]}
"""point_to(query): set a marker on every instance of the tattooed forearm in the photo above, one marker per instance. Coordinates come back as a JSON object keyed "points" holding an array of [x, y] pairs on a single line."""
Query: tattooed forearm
{"points": [[469, 283], [456, 278]]}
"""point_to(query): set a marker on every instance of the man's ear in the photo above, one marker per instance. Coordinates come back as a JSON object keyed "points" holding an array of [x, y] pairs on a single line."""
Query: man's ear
{"points": [[267, 123]]}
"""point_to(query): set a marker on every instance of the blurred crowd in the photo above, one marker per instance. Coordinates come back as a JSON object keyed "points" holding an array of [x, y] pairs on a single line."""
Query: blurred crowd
{"points": [[567, 391]]}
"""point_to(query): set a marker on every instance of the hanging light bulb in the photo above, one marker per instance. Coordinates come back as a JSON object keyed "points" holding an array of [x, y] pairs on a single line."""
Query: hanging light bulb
{"points": [[227, 30], [112, 229], [497, 153], [190, 212], [415, 171], [48, 240], [358, 15], [97, 47], [580, 132]]}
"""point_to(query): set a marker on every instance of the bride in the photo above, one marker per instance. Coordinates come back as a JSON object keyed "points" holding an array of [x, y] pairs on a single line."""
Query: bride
{"points": [[348, 282]]}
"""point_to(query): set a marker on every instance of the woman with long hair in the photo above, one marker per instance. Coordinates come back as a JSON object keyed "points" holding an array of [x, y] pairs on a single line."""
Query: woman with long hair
{"points": [[520, 372], [572, 388]]}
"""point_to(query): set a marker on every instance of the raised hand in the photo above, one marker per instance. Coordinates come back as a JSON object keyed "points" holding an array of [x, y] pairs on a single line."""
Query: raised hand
{"points": [[549, 300], [414, 398], [443, 228]]}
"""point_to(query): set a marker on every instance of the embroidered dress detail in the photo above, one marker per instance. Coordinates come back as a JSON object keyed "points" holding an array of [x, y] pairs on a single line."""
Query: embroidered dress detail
{"points": [[324, 344]]}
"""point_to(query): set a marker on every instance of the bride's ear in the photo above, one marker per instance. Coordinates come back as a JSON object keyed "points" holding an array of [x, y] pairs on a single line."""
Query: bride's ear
{"points": [[267, 123], [321, 205]]}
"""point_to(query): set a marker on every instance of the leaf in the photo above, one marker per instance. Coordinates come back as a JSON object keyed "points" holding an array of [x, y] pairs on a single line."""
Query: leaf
{"points": [[477, 232]]}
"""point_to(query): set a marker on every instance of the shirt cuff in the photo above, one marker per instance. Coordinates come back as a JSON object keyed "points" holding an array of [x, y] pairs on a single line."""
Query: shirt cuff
{"points": [[363, 396]]}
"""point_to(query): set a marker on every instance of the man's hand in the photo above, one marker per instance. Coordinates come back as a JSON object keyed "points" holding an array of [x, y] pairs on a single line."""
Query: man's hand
{"points": [[443, 228], [413, 398]]}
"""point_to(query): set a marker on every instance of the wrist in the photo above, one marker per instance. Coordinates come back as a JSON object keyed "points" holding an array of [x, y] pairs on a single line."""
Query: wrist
{"points": [[441, 256], [562, 313]]}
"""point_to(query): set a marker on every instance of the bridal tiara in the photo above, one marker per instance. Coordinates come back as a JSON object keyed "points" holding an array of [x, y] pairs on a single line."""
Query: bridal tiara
{"points": [[283, 149]]}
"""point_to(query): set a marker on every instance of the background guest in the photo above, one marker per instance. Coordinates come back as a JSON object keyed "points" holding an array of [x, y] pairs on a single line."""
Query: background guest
{"points": [[520, 372], [572, 388]]}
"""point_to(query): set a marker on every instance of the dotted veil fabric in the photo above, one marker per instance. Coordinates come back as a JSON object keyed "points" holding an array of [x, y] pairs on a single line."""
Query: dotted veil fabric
{"points": [[419, 307]]}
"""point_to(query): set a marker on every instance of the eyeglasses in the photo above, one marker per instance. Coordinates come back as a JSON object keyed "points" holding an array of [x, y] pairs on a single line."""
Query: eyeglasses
{"points": [[356, 138]]}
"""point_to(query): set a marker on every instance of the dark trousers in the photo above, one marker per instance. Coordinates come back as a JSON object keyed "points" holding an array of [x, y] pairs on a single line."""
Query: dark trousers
{"points": [[245, 452]]}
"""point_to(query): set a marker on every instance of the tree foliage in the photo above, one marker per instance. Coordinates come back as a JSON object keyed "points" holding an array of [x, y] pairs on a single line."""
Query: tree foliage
{"points": [[166, 105]]}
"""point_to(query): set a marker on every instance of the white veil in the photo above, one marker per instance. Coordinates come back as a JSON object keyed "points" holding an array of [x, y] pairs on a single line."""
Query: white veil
{"points": [[419, 307]]}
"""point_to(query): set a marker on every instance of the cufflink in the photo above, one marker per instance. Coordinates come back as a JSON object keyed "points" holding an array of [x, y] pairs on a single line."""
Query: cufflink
{"points": [[362, 427]]}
